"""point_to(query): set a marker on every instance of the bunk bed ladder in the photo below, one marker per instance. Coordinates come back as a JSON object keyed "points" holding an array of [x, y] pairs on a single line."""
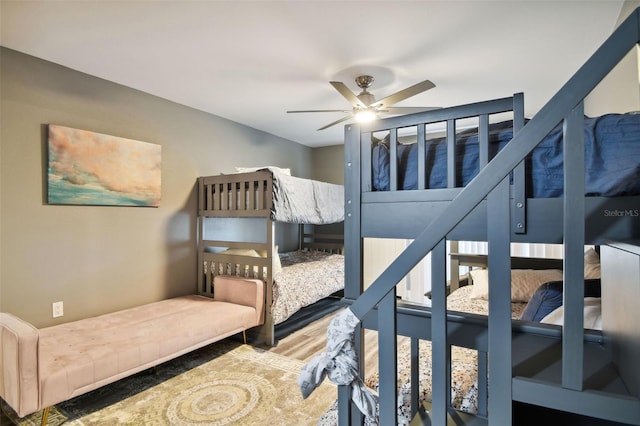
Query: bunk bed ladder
{"points": [[492, 182]]}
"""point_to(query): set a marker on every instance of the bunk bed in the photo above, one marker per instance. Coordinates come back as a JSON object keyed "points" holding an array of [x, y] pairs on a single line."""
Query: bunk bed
{"points": [[238, 219], [563, 368]]}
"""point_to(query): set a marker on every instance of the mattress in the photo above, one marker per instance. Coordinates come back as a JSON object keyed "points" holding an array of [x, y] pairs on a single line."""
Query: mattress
{"points": [[612, 159]]}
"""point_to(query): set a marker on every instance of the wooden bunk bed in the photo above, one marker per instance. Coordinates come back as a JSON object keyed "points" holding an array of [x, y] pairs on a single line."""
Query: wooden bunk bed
{"points": [[238, 219], [567, 369]]}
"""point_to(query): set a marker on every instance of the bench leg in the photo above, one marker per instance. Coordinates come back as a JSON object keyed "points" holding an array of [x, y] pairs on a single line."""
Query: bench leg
{"points": [[45, 416], [244, 336]]}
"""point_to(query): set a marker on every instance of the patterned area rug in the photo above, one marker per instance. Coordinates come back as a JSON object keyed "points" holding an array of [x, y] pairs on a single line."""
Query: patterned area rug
{"points": [[225, 383]]}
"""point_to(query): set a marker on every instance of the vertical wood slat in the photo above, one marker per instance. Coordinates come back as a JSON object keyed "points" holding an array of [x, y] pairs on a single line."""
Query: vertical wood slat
{"points": [[573, 230], [422, 157], [451, 153], [454, 263], [483, 383], [261, 194], [440, 354], [268, 197], [388, 359], [519, 212], [365, 158], [483, 140], [233, 204], [224, 196], [252, 195], [415, 376], [202, 196], [206, 196], [499, 265], [214, 194], [344, 406], [242, 195], [393, 160]]}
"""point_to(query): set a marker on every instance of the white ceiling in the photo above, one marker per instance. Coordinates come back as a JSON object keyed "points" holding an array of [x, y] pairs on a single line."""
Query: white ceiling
{"points": [[251, 61]]}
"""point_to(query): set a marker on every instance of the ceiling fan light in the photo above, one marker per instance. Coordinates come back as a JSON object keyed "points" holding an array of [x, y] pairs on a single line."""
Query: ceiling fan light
{"points": [[365, 115]]}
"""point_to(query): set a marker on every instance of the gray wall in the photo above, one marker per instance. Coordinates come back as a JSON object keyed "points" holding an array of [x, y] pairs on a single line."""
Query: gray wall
{"points": [[99, 259], [328, 164]]}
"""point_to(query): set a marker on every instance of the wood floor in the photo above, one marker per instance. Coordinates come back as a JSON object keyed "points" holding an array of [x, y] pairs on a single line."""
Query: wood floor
{"points": [[311, 340]]}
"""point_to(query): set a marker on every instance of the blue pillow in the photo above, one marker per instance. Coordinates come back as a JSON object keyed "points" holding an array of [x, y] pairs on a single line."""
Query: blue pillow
{"points": [[380, 167], [548, 297]]}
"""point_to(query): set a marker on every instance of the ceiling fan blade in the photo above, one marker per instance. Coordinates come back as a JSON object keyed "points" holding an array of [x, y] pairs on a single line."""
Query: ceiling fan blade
{"points": [[348, 111], [404, 94], [407, 110], [348, 94], [335, 122]]}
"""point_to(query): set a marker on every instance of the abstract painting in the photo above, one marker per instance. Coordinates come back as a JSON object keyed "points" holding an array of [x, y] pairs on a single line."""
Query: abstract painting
{"points": [[94, 169]]}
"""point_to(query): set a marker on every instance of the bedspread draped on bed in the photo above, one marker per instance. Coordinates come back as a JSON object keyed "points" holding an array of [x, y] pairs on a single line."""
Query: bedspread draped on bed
{"points": [[305, 278], [298, 200], [612, 147]]}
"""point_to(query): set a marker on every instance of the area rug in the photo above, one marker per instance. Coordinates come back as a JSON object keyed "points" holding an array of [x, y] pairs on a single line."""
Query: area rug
{"points": [[226, 383]]}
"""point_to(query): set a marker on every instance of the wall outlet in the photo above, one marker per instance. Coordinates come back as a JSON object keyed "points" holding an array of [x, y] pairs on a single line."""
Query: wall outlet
{"points": [[57, 309]]}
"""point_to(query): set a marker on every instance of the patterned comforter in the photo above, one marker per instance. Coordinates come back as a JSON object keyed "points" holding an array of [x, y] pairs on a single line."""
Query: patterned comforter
{"points": [[305, 278]]}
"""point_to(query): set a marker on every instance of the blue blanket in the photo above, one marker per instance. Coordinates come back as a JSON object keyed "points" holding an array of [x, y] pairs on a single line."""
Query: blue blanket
{"points": [[612, 151]]}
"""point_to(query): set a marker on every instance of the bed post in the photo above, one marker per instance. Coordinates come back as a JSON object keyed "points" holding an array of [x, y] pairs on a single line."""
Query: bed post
{"points": [[519, 204], [573, 231], [353, 271], [499, 263], [199, 236]]}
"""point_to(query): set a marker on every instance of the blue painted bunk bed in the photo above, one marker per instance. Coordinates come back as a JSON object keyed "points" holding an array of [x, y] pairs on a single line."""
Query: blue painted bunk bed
{"points": [[495, 197]]}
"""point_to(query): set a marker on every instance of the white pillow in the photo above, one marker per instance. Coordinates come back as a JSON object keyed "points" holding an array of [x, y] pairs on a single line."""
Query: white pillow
{"points": [[524, 282], [242, 252], [277, 266], [254, 169], [591, 264], [592, 314]]}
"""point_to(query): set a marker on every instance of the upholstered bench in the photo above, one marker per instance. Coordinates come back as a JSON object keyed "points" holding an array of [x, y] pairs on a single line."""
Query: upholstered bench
{"points": [[42, 367]]}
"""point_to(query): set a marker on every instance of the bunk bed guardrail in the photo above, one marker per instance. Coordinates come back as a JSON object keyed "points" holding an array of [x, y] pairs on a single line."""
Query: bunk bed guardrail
{"points": [[492, 184]]}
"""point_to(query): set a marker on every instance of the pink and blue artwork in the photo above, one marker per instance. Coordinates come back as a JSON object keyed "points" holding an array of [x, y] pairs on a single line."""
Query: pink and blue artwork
{"points": [[88, 168]]}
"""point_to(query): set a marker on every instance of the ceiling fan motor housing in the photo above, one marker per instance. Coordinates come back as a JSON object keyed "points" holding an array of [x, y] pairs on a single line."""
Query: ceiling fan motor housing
{"points": [[364, 81]]}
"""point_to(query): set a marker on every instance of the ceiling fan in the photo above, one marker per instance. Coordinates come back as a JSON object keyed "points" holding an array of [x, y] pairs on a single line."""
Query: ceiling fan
{"points": [[366, 108]]}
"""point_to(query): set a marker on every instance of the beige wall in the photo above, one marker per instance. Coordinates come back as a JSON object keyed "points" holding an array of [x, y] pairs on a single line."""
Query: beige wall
{"points": [[619, 92], [99, 259], [328, 164]]}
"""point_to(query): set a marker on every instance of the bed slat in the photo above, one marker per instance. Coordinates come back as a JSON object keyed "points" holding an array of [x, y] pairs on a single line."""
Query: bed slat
{"points": [[451, 154]]}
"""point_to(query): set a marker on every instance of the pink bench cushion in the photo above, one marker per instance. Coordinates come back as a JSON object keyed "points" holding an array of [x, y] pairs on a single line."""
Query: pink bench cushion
{"points": [[83, 355], [19, 364]]}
